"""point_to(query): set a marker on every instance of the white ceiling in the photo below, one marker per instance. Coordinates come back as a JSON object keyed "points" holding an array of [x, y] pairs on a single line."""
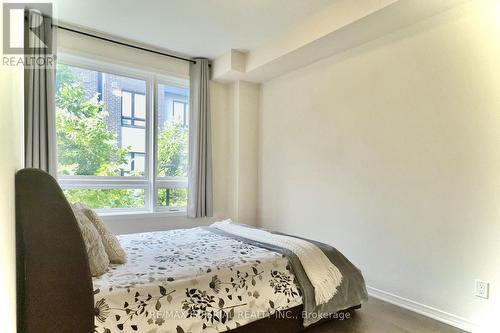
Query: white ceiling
{"points": [[205, 28]]}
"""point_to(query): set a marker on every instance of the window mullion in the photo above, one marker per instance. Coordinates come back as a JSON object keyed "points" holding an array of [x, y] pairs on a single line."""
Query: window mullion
{"points": [[152, 109], [102, 184], [172, 183]]}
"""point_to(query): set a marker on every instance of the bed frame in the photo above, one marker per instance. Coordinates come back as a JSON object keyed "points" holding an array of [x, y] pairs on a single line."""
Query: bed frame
{"points": [[54, 284]]}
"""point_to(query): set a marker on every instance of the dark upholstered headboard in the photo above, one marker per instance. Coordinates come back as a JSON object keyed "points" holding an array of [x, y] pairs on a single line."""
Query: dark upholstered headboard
{"points": [[55, 293]]}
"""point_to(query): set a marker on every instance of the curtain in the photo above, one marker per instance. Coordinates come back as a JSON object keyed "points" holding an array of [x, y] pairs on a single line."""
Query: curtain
{"points": [[200, 196], [39, 94]]}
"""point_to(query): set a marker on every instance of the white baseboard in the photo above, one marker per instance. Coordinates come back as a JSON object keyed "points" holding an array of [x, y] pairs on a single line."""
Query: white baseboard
{"points": [[424, 310]]}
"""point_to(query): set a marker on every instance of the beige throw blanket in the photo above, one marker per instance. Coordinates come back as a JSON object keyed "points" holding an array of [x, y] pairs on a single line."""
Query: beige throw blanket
{"points": [[324, 276]]}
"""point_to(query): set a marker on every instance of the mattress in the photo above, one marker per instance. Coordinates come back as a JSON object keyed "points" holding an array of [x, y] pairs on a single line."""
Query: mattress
{"points": [[191, 280]]}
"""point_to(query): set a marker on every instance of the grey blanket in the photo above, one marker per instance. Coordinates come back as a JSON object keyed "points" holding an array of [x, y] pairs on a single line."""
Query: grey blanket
{"points": [[351, 292]]}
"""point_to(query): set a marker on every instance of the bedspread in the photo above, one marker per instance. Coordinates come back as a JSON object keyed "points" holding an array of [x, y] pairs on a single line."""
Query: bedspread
{"points": [[191, 280]]}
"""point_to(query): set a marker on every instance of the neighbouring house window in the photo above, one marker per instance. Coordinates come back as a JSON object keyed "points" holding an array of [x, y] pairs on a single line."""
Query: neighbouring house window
{"points": [[133, 109], [180, 112], [105, 138], [136, 163]]}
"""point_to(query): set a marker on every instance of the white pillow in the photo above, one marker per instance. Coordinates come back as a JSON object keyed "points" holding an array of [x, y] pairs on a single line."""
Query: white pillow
{"points": [[111, 244], [98, 258]]}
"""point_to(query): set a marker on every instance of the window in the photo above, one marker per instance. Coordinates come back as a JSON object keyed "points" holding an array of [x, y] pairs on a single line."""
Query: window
{"points": [[172, 152], [135, 163], [106, 138], [133, 109]]}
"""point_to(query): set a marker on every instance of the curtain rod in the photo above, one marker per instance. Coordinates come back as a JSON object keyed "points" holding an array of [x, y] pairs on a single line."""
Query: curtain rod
{"points": [[124, 44]]}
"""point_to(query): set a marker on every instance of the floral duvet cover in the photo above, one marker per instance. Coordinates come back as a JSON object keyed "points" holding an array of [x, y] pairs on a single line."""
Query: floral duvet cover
{"points": [[191, 280]]}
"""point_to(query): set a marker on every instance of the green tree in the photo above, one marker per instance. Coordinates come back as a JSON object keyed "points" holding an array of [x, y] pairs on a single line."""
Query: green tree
{"points": [[107, 198], [173, 150], [86, 147], [173, 162]]}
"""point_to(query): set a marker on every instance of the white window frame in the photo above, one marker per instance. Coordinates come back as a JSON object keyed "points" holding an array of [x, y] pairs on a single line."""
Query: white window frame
{"points": [[149, 182]]}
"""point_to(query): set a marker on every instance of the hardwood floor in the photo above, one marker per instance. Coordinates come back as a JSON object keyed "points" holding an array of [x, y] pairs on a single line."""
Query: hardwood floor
{"points": [[380, 317]]}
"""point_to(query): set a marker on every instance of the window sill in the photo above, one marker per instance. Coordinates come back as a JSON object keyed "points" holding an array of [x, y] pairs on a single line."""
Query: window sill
{"points": [[113, 216]]}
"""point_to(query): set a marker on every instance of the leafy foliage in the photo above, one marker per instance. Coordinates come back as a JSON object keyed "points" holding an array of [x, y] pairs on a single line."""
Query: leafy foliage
{"points": [[107, 198], [86, 147], [84, 144], [173, 150], [173, 162], [172, 197]]}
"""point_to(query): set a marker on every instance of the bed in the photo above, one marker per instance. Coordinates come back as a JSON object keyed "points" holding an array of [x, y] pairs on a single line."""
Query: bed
{"points": [[188, 280]]}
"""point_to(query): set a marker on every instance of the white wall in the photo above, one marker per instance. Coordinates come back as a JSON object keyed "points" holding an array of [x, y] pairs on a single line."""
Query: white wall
{"points": [[244, 123], [11, 160], [121, 55], [391, 153]]}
